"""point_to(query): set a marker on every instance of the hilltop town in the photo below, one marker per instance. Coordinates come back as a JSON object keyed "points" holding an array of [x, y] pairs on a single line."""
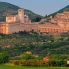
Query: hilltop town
{"points": [[28, 39], [21, 22]]}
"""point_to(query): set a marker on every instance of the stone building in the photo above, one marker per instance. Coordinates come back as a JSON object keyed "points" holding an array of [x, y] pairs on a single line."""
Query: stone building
{"points": [[58, 24], [21, 22], [16, 23]]}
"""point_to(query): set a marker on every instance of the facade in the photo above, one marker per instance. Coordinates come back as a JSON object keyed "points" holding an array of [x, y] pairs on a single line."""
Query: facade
{"points": [[16, 23], [58, 24], [21, 22]]}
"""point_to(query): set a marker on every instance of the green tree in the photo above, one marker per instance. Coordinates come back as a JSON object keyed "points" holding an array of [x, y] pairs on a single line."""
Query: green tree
{"points": [[27, 56]]}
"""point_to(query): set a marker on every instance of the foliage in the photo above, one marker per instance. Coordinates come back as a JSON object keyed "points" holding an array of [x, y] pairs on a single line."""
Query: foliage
{"points": [[4, 57], [26, 56], [57, 48], [36, 19], [9, 66]]}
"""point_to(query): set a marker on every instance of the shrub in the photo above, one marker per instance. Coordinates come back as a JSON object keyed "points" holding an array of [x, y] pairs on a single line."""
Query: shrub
{"points": [[57, 63], [4, 57]]}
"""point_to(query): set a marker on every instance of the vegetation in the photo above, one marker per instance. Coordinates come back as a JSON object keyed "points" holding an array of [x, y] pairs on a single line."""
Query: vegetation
{"points": [[30, 48], [27, 67], [4, 57], [38, 44]]}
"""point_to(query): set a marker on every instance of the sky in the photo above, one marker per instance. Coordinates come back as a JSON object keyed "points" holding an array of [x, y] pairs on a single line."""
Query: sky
{"points": [[41, 7]]}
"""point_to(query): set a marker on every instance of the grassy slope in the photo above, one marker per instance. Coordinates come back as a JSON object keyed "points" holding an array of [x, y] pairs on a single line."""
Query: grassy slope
{"points": [[24, 67]]}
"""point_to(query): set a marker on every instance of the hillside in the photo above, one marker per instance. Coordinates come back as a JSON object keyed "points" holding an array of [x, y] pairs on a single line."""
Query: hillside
{"points": [[60, 11], [7, 9], [18, 43]]}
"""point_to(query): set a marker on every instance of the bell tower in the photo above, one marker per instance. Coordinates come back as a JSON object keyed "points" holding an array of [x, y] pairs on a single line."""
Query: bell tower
{"points": [[21, 15]]}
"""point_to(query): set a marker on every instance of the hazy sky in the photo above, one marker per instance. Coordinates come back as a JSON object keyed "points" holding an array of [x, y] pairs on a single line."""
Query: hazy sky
{"points": [[42, 7]]}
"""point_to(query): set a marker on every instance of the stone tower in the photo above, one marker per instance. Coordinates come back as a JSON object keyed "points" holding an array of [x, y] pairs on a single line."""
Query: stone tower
{"points": [[21, 15]]}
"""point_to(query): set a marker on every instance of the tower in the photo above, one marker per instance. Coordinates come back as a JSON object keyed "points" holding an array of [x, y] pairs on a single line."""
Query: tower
{"points": [[21, 15]]}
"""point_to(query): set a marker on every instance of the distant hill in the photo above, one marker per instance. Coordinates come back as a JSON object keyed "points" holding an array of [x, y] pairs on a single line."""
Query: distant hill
{"points": [[7, 9], [60, 11]]}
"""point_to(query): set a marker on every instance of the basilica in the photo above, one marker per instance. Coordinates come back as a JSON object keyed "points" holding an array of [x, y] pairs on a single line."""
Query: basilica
{"points": [[21, 22]]}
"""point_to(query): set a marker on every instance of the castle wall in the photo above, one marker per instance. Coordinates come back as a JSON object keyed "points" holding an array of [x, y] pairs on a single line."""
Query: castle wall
{"points": [[2, 29], [28, 27], [13, 28], [34, 26], [25, 27], [50, 28]]}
